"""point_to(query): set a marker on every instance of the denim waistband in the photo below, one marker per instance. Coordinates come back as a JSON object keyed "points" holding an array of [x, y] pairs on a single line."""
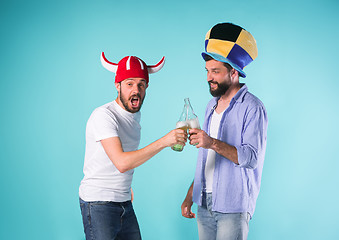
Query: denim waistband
{"points": [[107, 202]]}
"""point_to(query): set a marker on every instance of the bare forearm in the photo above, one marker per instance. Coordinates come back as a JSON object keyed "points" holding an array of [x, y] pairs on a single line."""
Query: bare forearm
{"points": [[125, 161], [224, 149], [200, 138], [133, 159], [187, 204], [190, 193]]}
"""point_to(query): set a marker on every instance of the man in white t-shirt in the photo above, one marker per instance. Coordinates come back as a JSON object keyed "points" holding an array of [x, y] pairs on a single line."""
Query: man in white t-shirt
{"points": [[112, 140]]}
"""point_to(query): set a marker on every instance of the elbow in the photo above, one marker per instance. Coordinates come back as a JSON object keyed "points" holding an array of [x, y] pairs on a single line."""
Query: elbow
{"points": [[253, 163], [249, 164], [122, 168], [123, 164], [249, 160]]}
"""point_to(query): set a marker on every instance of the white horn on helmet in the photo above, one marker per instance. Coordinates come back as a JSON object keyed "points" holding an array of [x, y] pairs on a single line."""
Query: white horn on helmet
{"points": [[107, 64], [154, 68]]}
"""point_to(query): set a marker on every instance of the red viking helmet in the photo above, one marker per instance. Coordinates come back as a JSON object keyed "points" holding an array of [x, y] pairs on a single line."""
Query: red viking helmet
{"points": [[131, 67]]}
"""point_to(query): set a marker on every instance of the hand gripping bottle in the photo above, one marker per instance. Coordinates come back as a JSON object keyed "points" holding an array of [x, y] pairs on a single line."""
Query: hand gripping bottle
{"points": [[186, 121], [192, 119]]}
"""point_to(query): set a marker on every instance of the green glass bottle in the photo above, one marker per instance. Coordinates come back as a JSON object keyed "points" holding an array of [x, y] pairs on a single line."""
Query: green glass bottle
{"points": [[186, 121]]}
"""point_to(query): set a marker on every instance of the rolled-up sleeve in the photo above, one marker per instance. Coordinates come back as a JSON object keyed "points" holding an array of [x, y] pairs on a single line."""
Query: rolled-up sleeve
{"points": [[253, 138]]}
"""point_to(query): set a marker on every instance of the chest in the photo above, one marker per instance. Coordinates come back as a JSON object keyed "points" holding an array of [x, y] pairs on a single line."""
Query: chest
{"points": [[222, 106], [129, 133], [229, 126]]}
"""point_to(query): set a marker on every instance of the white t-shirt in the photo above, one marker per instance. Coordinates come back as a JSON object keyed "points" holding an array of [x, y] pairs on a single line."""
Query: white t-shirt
{"points": [[102, 180], [210, 161]]}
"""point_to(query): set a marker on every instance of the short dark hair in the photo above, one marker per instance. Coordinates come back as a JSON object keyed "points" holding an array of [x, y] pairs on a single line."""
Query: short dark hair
{"points": [[208, 58]]}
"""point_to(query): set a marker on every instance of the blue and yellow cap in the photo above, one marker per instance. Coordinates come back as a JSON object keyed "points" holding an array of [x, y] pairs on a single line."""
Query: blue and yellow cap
{"points": [[229, 43]]}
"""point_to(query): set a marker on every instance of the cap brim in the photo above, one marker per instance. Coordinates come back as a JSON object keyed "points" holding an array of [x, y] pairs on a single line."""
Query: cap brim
{"points": [[225, 60]]}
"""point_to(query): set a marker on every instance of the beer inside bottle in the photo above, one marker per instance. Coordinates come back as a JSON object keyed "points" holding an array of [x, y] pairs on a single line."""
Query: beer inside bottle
{"points": [[193, 123], [187, 120], [182, 125]]}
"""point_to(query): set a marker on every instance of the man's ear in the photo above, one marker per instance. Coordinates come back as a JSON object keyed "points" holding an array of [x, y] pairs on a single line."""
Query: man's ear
{"points": [[234, 74], [117, 86]]}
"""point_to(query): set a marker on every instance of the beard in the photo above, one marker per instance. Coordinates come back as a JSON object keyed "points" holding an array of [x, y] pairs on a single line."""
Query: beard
{"points": [[125, 101], [221, 89]]}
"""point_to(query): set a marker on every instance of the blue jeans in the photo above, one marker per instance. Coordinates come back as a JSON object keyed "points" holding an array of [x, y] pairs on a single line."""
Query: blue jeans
{"points": [[216, 226], [109, 220]]}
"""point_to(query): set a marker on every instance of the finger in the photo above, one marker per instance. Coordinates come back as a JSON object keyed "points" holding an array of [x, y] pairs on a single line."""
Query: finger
{"points": [[180, 133], [177, 131], [181, 139], [194, 136], [181, 136], [183, 211], [194, 131], [194, 142], [189, 214], [186, 210]]}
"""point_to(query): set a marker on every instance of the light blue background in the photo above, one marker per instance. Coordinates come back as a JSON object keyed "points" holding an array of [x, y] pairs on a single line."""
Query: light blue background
{"points": [[52, 79]]}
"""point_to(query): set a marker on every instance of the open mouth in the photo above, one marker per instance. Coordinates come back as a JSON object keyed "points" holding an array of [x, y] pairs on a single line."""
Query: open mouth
{"points": [[213, 85], [135, 101]]}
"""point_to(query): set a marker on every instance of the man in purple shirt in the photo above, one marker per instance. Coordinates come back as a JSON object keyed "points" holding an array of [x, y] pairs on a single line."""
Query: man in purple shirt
{"points": [[232, 142]]}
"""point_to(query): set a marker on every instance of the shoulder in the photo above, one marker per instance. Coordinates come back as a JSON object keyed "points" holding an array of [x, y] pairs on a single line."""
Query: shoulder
{"points": [[252, 101], [252, 107], [104, 111]]}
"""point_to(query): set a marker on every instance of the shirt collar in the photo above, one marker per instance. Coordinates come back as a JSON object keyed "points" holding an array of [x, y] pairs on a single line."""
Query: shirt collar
{"points": [[238, 97], [136, 116]]}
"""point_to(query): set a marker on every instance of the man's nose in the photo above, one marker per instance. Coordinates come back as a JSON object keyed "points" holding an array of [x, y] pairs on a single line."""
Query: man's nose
{"points": [[209, 76], [135, 89]]}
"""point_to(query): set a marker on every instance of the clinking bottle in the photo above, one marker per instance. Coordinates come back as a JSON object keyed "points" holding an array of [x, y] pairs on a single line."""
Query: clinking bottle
{"points": [[186, 121]]}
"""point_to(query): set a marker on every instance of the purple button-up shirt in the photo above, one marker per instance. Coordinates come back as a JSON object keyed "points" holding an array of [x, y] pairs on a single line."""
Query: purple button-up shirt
{"points": [[243, 125]]}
